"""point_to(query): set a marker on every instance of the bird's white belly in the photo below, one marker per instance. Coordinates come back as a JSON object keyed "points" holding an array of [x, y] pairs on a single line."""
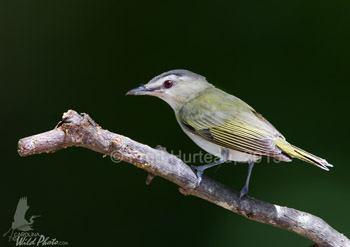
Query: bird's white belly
{"points": [[216, 150]]}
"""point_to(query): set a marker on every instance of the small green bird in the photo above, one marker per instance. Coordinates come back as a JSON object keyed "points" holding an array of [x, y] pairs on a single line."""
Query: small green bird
{"points": [[221, 123]]}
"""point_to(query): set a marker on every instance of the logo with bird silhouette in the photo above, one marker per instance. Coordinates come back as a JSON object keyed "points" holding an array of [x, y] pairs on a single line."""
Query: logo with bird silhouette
{"points": [[19, 220]]}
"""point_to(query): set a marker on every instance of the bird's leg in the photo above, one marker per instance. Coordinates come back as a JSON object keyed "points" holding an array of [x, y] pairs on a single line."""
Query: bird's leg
{"points": [[244, 190], [200, 169]]}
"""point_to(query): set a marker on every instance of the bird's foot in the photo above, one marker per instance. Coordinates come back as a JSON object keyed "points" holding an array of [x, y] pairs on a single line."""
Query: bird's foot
{"points": [[244, 191], [200, 169], [199, 172]]}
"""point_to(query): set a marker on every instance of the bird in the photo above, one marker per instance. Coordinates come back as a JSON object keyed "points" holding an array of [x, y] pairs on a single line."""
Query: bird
{"points": [[221, 123], [20, 223]]}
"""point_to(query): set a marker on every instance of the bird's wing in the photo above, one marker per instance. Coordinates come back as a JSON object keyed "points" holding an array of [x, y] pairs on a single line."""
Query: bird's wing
{"points": [[21, 210], [229, 122]]}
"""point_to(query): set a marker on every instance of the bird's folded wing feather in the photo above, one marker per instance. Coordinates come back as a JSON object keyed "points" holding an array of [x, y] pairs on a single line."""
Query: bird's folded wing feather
{"points": [[229, 122]]}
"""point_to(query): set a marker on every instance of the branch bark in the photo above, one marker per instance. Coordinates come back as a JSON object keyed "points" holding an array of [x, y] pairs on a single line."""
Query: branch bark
{"points": [[82, 131]]}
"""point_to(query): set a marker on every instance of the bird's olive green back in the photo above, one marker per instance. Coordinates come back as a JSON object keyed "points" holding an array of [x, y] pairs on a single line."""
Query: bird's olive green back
{"points": [[226, 120]]}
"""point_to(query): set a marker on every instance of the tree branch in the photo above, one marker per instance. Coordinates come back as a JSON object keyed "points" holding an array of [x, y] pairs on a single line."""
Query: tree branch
{"points": [[82, 131]]}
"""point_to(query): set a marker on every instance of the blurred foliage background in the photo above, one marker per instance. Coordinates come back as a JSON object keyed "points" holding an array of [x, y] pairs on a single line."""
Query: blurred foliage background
{"points": [[287, 59]]}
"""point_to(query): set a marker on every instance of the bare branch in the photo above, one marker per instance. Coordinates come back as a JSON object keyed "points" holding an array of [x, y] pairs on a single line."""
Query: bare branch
{"points": [[82, 131]]}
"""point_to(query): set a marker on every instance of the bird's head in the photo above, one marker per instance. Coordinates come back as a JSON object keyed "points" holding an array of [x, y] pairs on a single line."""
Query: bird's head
{"points": [[176, 87]]}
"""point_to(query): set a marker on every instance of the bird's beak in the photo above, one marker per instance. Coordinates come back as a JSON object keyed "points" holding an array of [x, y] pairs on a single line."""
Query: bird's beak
{"points": [[139, 91]]}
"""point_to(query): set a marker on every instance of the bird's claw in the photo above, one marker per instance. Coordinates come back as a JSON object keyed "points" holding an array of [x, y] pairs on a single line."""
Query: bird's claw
{"points": [[199, 173], [243, 192]]}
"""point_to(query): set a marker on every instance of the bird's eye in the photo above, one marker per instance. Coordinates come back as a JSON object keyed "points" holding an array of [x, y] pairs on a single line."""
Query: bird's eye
{"points": [[168, 84]]}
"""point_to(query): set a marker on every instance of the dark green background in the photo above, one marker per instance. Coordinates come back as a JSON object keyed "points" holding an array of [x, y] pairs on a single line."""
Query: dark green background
{"points": [[287, 59]]}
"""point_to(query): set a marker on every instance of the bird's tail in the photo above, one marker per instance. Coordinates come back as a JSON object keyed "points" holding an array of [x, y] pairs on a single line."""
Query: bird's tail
{"points": [[298, 153]]}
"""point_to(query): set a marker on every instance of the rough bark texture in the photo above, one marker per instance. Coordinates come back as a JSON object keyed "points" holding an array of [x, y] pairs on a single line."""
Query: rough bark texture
{"points": [[80, 130]]}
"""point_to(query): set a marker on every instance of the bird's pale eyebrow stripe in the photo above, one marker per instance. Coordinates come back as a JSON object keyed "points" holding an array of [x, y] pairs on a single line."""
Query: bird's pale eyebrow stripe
{"points": [[177, 74], [165, 75]]}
